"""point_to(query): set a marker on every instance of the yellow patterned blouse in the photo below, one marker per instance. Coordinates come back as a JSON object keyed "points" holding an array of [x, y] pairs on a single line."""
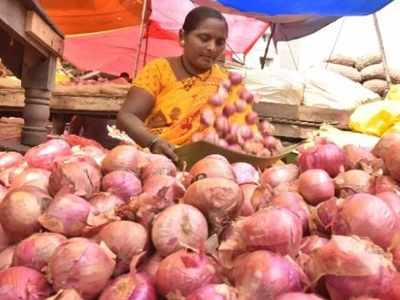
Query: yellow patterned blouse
{"points": [[176, 113]]}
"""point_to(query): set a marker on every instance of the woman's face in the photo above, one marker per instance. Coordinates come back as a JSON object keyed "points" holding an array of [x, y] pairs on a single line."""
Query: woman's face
{"points": [[204, 45]]}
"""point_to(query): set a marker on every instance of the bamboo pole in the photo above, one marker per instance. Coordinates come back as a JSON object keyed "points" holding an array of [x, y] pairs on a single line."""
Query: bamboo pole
{"points": [[382, 49], [141, 35]]}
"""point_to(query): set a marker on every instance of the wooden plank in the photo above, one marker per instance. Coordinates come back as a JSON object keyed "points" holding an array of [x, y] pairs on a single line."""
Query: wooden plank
{"points": [[293, 131], [40, 31]]}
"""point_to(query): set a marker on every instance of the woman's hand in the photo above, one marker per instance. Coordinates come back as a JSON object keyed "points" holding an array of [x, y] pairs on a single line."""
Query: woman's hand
{"points": [[165, 148]]}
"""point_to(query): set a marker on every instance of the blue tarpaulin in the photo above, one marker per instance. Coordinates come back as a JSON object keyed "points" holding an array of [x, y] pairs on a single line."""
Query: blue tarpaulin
{"points": [[308, 7]]}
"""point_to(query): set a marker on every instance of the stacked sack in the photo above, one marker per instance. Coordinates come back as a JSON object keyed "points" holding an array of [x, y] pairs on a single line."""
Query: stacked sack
{"points": [[345, 66]]}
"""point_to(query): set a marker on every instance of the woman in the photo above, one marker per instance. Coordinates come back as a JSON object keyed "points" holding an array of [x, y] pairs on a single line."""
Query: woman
{"points": [[164, 104]]}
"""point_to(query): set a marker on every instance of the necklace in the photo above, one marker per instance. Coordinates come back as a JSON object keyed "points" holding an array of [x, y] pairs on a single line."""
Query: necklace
{"points": [[190, 73]]}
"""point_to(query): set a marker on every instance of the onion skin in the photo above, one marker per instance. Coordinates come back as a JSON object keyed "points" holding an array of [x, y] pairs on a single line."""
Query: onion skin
{"points": [[130, 287], [23, 284], [366, 215], [43, 155], [177, 227], [217, 198], [355, 155], [316, 186], [9, 159], [123, 157], [184, 272], [298, 296], [6, 257], [125, 239], [325, 214], [328, 157], [211, 167], [105, 203], [353, 182], [262, 275], [82, 265], [214, 292], [35, 251], [20, 211], [277, 175], [245, 173], [122, 183]]}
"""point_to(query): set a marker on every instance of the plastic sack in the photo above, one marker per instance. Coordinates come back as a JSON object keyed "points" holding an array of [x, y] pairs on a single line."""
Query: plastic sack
{"points": [[394, 93]]}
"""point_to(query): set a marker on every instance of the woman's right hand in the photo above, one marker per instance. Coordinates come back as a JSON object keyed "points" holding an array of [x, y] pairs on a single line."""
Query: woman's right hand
{"points": [[163, 147]]}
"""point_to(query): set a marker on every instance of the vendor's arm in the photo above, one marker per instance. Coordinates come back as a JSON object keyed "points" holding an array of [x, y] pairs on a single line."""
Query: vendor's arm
{"points": [[130, 119]]}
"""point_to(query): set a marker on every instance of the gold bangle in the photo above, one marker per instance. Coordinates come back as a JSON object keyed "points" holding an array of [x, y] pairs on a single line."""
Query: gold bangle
{"points": [[152, 143]]}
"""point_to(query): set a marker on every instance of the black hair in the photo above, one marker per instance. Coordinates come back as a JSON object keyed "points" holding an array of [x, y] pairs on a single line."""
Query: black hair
{"points": [[197, 15]]}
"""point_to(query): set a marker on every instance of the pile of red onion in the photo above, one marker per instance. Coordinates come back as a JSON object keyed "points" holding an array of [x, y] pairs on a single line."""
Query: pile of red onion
{"points": [[127, 224]]}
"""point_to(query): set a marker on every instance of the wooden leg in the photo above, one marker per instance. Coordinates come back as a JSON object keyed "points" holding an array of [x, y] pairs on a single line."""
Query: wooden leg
{"points": [[58, 122], [38, 80]]}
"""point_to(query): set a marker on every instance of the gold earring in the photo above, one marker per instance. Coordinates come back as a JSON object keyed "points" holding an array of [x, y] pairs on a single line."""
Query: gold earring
{"points": [[182, 43]]}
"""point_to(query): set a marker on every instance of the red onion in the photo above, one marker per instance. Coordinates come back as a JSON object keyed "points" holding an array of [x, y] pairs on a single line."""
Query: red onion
{"points": [[214, 292], [235, 78], [240, 105], [298, 296], [130, 287], [211, 167], [216, 100], [80, 178], [235, 147], [256, 148], [247, 208], [164, 187], [352, 182], [123, 157], [261, 198], [8, 175], [226, 84], [217, 198], [82, 265], [184, 272], [392, 161], [381, 184], [251, 118], [295, 203], [6, 257], [395, 251], [43, 156], [328, 157], [3, 192], [222, 125], [149, 266], [68, 294], [287, 187], [229, 110], [366, 215], [160, 165], [67, 214], [392, 200], [222, 143], [385, 144], [316, 186], [105, 203], [9, 159], [207, 117], [32, 176], [279, 174], [20, 211], [122, 183], [311, 243], [262, 275], [125, 239], [210, 135], [266, 128], [23, 284], [179, 226], [274, 229], [325, 214], [245, 173], [98, 154], [246, 96], [245, 132], [356, 155], [35, 251]]}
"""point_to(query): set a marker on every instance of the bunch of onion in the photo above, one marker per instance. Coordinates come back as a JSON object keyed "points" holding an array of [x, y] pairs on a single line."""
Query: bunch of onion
{"points": [[124, 184], [323, 155], [130, 286], [366, 215], [83, 265], [217, 198], [352, 182], [126, 240], [263, 275], [183, 272], [177, 227], [316, 186], [20, 211], [23, 283], [43, 155], [77, 175]]}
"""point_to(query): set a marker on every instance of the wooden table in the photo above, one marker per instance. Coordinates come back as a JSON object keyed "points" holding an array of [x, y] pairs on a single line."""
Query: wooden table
{"points": [[30, 44]]}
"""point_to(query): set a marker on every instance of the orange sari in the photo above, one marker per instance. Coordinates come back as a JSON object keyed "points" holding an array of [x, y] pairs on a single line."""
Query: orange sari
{"points": [[178, 103]]}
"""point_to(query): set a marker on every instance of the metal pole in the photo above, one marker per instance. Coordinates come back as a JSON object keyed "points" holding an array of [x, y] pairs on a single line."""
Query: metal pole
{"points": [[141, 34], [382, 48], [264, 58]]}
